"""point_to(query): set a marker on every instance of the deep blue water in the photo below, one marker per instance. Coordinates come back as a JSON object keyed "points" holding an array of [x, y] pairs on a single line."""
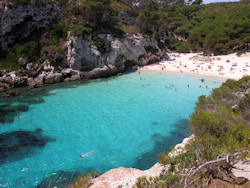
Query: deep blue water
{"points": [[122, 120]]}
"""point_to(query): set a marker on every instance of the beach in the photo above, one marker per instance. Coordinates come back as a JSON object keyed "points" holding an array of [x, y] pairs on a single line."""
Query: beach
{"points": [[226, 66]]}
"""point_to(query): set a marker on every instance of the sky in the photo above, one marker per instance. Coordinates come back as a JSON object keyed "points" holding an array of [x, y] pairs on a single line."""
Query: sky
{"points": [[215, 1]]}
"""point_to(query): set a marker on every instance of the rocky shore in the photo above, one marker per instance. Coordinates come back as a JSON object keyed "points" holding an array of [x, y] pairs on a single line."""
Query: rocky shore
{"points": [[85, 61], [127, 177]]}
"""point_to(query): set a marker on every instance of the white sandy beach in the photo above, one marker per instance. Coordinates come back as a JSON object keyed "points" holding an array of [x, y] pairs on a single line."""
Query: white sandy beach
{"points": [[227, 66]]}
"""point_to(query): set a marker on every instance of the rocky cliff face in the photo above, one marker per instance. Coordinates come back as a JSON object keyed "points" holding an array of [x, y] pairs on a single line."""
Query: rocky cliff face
{"points": [[128, 51], [86, 61], [18, 22], [125, 177], [86, 58]]}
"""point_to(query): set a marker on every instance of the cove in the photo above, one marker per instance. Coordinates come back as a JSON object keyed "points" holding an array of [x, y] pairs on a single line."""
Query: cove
{"points": [[122, 120]]}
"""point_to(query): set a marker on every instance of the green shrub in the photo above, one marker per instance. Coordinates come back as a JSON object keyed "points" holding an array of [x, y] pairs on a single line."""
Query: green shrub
{"points": [[240, 52], [100, 44], [180, 46], [151, 49], [31, 50], [78, 30], [21, 2]]}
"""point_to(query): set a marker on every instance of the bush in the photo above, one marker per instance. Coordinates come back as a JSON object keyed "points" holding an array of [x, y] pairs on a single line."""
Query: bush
{"points": [[180, 46], [78, 30], [21, 2], [58, 31], [31, 50], [151, 49], [100, 44], [240, 52]]}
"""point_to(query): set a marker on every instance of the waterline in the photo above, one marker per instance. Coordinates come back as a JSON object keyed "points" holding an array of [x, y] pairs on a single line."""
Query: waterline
{"points": [[99, 116]]}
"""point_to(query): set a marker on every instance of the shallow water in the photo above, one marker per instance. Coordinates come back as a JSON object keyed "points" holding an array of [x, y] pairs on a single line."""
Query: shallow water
{"points": [[122, 120]]}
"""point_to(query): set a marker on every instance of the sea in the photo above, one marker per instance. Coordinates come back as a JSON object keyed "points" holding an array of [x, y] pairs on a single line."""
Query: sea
{"points": [[116, 121]]}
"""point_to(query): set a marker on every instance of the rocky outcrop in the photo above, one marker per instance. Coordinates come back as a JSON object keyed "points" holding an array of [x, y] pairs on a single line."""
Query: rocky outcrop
{"points": [[124, 177], [127, 177], [11, 79], [18, 22], [125, 18], [87, 58], [43, 74], [180, 148]]}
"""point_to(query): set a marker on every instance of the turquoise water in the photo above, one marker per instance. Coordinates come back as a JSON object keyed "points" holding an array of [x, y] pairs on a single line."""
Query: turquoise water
{"points": [[121, 121]]}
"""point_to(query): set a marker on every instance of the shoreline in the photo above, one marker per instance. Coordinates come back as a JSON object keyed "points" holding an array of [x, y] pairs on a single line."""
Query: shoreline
{"points": [[223, 66]]}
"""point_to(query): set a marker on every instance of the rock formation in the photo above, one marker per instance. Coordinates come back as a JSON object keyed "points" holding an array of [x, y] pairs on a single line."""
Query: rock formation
{"points": [[18, 22], [88, 60], [85, 58], [125, 177]]}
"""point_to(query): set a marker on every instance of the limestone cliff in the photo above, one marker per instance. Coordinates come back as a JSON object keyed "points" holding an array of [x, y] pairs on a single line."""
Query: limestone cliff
{"points": [[128, 51], [86, 58], [18, 22]]}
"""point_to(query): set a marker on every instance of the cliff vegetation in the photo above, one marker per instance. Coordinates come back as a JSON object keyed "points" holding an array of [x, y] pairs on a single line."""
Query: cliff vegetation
{"points": [[221, 126], [179, 25]]}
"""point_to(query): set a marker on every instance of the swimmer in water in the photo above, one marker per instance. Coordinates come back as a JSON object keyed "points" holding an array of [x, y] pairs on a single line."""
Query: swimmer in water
{"points": [[84, 155], [21, 117]]}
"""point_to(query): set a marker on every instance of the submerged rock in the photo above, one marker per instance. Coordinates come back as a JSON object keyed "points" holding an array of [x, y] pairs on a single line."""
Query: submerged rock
{"points": [[10, 94], [18, 145]]}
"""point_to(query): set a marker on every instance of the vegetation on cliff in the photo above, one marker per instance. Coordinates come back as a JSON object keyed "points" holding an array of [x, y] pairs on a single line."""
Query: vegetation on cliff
{"points": [[221, 125], [218, 28]]}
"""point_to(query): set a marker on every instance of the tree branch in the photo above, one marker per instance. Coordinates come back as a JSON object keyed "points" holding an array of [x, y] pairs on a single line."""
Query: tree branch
{"points": [[222, 157]]}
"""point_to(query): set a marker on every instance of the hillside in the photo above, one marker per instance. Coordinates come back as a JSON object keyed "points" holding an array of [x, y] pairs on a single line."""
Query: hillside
{"points": [[43, 36]]}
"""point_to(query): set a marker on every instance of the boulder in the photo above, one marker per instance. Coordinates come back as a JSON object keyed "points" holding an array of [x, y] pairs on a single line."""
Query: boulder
{"points": [[28, 66], [13, 80], [47, 67], [23, 61], [39, 80], [53, 78], [66, 72]]}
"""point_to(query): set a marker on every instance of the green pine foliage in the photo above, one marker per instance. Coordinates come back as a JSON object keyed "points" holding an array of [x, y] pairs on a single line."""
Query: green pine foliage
{"points": [[218, 28], [221, 124]]}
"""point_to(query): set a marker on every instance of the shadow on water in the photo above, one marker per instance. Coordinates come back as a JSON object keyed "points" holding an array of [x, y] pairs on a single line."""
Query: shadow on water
{"points": [[18, 145], [27, 96], [161, 144], [11, 107], [8, 112], [62, 179]]}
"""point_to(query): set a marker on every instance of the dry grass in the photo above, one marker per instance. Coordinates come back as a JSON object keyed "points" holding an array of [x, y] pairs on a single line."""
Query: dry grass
{"points": [[130, 28]]}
